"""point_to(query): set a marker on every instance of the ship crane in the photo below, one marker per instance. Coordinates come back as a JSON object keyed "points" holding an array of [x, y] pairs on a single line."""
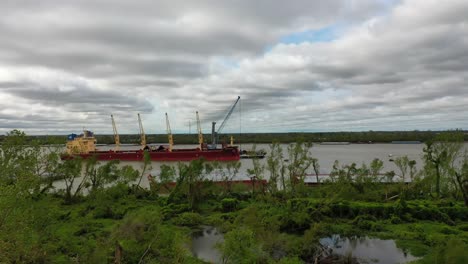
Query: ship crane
{"points": [[142, 133], [169, 134], [200, 134], [215, 134], [116, 135]]}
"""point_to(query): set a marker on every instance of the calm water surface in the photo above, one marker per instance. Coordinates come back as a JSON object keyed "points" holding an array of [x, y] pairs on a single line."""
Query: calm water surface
{"points": [[326, 154], [368, 250], [204, 244], [365, 249]]}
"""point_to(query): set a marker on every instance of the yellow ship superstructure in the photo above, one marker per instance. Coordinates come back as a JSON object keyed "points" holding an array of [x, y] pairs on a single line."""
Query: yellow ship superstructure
{"points": [[81, 144]]}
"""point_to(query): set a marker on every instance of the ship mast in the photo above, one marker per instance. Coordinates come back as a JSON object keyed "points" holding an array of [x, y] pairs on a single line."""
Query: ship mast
{"points": [[142, 133], [116, 135], [200, 134], [169, 133]]}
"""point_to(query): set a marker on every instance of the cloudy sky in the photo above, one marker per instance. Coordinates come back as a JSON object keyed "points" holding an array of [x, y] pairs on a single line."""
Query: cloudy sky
{"points": [[336, 65]]}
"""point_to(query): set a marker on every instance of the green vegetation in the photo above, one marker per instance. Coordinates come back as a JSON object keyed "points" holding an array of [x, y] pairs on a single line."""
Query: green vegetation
{"points": [[103, 215]]}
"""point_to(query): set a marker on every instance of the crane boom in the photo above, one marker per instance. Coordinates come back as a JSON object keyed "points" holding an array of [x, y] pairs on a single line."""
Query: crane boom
{"points": [[169, 133], [116, 135], [215, 135], [227, 116], [142, 133], [200, 134]]}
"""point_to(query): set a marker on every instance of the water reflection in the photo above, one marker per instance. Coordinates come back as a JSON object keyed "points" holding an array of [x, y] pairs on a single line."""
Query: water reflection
{"points": [[368, 250], [204, 242]]}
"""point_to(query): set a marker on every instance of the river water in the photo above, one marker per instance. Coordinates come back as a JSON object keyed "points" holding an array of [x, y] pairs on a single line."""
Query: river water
{"points": [[326, 155]]}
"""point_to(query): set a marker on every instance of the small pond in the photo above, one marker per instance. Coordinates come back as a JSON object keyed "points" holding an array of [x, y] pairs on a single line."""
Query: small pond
{"points": [[204, 244], [364, 249], [368, 250]]}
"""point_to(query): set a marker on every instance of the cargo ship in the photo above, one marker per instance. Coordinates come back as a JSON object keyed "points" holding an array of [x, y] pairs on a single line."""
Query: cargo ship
{"points": [[84, 146]]}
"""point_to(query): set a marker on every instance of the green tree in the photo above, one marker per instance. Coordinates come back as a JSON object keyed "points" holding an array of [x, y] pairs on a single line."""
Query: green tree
{"points": [[412, 168], [240, 246], [101, 175], [71, 172], [440, 153], [146, 166], [256, 173], [27, 164], [351, 181], [300, 160], [21, 222], [274, 165], [459, 176], [316, 167], [166, 176], [229, 173], [47, 167], [142, 237], [403, 164], [375, 168], [190, 181], [127, 174], [18, 160], [23, 226]]}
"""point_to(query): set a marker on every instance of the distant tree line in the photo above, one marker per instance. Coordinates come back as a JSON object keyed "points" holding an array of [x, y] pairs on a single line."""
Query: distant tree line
{"points": [[352, 137]]}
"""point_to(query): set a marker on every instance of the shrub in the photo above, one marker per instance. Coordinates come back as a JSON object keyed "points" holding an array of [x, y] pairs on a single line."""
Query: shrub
{"points": [[449, 231], [188, 219], [400, 208], [456, 212], [172, 210], [463, 227], [446, 219], [395, 219], [454, 251], [117, 191], [240, 246], [407, 217], [142, 233], [341, 209], [365, 222], [376, 227], [229, 204], [109, 203]]}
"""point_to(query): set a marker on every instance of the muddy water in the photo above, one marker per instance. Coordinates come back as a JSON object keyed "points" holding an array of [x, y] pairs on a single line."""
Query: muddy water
{"points": [[326, 154]]}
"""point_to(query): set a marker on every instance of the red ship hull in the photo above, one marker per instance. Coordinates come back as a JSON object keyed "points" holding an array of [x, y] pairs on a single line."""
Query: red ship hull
{"points": [[225, 154]]}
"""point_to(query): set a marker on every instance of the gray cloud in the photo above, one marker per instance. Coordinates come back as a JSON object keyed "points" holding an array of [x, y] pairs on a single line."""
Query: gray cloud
{"points": [[69, 65]]}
